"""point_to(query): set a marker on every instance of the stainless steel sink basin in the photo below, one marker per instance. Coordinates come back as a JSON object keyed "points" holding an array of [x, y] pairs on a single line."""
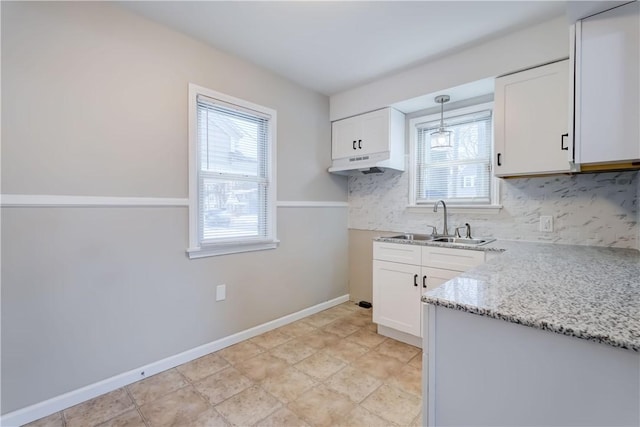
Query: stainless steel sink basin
{"points": [[463, 241], [422, 237]]}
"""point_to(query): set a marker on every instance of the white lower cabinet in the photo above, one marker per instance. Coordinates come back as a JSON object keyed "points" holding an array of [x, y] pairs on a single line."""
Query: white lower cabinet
{"points": [[396, 296], [402, 273]]}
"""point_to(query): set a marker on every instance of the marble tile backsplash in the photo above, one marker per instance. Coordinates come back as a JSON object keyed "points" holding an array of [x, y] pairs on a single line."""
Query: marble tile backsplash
{"points": [[599, 209]]}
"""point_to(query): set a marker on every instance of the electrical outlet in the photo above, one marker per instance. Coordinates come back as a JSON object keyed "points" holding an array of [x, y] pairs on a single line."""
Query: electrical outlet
{"points": [[546, 223], [221, 292]]}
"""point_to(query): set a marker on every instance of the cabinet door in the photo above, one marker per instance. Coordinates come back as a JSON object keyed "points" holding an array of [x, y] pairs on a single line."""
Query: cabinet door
{"points": [[344, 136], [608, 86], [434, 277], [375, 132], [396, 296], [531, 121]]}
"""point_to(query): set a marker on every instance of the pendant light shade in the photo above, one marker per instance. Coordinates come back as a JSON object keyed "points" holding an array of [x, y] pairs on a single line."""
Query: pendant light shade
{"points": [[441, 139]]}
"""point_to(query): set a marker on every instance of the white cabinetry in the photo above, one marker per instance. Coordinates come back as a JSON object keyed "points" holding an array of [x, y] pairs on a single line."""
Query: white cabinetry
{"points": [[531, 121], [371, 139], [360, 135], [607, 87], [402, 273]]}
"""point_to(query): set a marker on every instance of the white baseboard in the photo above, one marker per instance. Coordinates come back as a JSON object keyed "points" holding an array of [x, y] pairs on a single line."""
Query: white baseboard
{"points": [[66, 400]]}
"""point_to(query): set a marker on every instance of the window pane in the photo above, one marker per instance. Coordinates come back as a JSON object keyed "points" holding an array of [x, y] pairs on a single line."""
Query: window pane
{"points": [[232, 209], [231, 142], [461, 173]]}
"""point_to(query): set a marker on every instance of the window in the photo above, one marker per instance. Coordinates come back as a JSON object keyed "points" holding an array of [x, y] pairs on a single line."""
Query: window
{"points": [[231, 176], [460, 175]]}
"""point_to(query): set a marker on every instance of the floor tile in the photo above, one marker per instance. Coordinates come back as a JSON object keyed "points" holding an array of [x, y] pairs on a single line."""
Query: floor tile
{"points": [[319, 339], [417, 421], [366, 338], [320, 366], [358, 320], [178, 408], [323, 318], [128, 419], [203, 367], [341, 328], [262, 366], [297, 329], [100, 409], [399, 350], [241, 351], [209, 418], [393, 405], [329, 369], [407, 378], [351, 306], [353, 383], [249, 406], [282, 418], [417, 360], [289, 385], [293, 351], [156, 386], [377, 365], [345, 350], [222, 385], [361, 417], [53, 420], [271, 339], [322, 407]]}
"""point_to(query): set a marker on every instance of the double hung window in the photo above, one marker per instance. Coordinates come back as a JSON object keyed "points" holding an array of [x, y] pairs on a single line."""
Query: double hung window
{"points": [[460, 175], [231, 185]]}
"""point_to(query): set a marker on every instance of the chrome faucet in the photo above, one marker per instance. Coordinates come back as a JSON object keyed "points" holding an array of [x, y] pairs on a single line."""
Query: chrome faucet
{"points": [[445, 231]]}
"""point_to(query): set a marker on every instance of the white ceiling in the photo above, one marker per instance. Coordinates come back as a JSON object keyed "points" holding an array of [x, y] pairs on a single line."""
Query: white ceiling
{"points": [[332, 46]]}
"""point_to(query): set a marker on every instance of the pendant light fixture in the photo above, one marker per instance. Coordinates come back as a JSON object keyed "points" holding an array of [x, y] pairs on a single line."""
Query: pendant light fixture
{"points": [[441, 139]]}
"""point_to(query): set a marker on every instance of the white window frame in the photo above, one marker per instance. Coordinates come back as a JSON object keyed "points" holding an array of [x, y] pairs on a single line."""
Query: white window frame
{"points": [[492, 207], [228, 246]]}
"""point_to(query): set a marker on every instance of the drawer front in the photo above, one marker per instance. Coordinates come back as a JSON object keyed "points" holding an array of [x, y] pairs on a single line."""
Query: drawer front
{"points": [[397, 252], [451, 259]]}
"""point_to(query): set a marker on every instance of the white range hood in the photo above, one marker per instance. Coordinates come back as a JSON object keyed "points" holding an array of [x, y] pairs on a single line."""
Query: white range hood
{"points": [[369, 163], [368, 143]]}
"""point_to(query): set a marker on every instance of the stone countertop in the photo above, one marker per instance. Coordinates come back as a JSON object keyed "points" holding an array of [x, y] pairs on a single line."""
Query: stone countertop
{"points": [[588, 292]]}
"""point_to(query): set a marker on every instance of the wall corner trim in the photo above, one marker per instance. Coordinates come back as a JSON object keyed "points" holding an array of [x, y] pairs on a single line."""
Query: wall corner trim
{"points": [[66, 400]]}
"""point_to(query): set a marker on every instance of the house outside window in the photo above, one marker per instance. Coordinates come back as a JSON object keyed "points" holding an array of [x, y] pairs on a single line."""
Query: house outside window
{"points": [[460, 175], [231, 174]]}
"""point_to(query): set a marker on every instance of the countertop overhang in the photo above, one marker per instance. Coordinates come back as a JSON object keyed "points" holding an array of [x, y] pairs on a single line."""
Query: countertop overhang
{"points": [[588, 292]]}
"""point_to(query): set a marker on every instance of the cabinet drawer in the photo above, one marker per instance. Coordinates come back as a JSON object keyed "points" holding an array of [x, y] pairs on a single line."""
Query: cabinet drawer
{"points": [[397, 252], [451, 259]]}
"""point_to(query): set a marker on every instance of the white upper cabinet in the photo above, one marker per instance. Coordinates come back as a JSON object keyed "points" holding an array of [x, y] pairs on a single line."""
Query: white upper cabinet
{"points": [[531, 122], [367, 140], [359, 135], [607, 85]]}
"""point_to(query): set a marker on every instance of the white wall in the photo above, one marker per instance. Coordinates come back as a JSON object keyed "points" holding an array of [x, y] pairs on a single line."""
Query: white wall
{"points": [[518, 50], [94, 103]]}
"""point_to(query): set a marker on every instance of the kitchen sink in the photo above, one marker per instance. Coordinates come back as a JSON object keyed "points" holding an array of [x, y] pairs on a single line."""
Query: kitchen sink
{"points": [[423, 237], [463, 240]]}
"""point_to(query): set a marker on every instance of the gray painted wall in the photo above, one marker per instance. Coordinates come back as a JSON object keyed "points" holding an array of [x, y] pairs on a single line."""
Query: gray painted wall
{"points": [[94, 103]]}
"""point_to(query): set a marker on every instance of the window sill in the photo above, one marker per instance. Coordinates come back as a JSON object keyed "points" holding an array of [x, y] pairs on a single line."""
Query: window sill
{"points": [[218, 250], [474, 209]]}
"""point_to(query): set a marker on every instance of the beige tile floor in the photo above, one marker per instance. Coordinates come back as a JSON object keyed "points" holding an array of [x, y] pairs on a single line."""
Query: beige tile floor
{"points": [[328, 369]]}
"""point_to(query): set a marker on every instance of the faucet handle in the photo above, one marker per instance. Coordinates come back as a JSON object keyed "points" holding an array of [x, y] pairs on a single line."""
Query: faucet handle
{"points": [[434, 230], [467, 227]]}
